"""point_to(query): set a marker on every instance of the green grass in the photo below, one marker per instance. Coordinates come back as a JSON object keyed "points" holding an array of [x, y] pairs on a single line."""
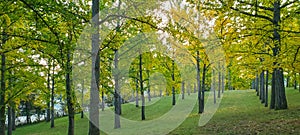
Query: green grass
{"points": [[61, 126], [240, 112], [155, 109]]}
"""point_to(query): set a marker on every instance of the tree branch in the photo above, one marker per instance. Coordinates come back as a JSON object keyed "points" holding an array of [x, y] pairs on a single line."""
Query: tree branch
{"points": [[249, 14], [289, 31], [30, 38], [14, 48], [261, 7], [295, 57], [287, 3], [40, 16]]}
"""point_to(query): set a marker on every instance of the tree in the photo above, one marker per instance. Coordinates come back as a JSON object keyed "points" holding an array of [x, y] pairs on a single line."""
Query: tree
{"points": [[94, 92], [35, 34]]}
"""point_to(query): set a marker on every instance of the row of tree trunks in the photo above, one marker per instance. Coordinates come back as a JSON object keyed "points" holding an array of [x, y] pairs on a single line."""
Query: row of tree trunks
{"points": [[261, 86], [294, 79]]}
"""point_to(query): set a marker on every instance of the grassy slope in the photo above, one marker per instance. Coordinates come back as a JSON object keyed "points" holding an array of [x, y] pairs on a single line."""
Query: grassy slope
{"points": [[240, 112]]}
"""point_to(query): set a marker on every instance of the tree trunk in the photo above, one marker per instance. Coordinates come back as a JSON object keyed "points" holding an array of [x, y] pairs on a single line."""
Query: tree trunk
{"points": [[195, 88], [160, 93], [253, 84], [48, 112], [117, 96], [69, 95], [198, 82], [13, 118], [49, 90], [2, 96], [117, 110], [182, 90], [266, 94], [9, 120], [52, 97], [272, 102], [173, 88], [262, 86], [279, 89], [28, 107], [137, 91], [189, 88], [82, 96], [94, 91], [2, 92], [295, 81], [222, 81], [203, 88], [288, 81], [299, 83], [257, 85], [213, 84], [148, 84], [142, 88], [102, 101], [229, 80], [10, 109], [219, 84], [280, 97]]}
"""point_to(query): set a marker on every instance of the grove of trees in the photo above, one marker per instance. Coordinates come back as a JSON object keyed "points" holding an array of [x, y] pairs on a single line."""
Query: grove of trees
{"points": [[69, 52]]}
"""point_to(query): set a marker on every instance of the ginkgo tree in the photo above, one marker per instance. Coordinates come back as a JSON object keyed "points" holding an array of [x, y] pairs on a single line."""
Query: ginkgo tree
{"points": [[261, 28]]}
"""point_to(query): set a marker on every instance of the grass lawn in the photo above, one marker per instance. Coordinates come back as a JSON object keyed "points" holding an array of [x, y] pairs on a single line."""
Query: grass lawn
{"points": [[240, 112]]}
